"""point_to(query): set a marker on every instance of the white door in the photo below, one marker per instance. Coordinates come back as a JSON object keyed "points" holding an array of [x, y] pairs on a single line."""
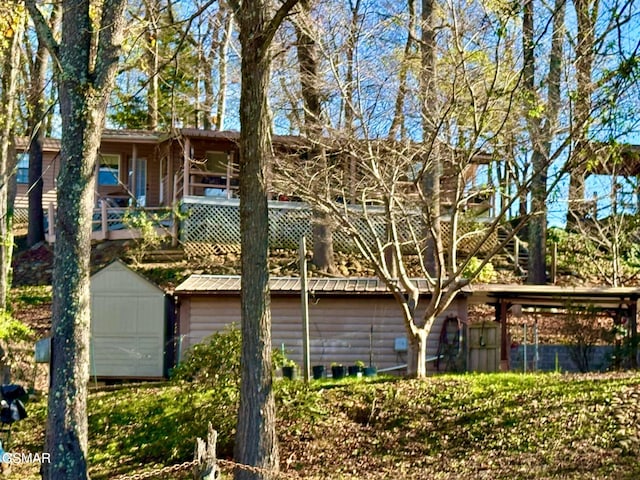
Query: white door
{"points": [[140, 187]]}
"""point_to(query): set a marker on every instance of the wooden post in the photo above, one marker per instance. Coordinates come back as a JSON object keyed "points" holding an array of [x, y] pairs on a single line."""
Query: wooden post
{"points": [[633, 333], [52, 223], [304, 297], [206, 467], [516, 253], [505, 347], [175, 206], [186, 152], [104, 220], [554, 263]]}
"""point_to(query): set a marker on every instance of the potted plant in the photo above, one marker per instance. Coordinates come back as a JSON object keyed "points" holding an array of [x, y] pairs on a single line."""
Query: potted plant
{"points": [[289, 369], [356, 369], [318, 372], [338, 371], [370, 371]]}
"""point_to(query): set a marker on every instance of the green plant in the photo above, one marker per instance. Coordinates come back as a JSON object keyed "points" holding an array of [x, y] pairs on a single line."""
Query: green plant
{"points": [[215, 360], [12, 329], [486, 274], [360, 364], [287, 362], [146, 224]]}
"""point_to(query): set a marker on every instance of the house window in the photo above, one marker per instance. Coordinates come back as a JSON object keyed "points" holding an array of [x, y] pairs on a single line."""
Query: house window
{"points": [[221, 174], [109, 170], [22, 173]]}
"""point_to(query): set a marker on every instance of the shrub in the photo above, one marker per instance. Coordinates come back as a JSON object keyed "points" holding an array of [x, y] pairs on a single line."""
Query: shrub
{"points": [[486, 275], [215, 360]]}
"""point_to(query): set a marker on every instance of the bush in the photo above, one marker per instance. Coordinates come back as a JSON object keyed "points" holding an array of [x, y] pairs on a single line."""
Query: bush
{"points": [[486, 275], [215, 360]]}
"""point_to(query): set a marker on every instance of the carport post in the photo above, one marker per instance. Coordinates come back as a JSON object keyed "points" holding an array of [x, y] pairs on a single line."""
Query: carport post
{"points": [[633, 327], [305, 310]]}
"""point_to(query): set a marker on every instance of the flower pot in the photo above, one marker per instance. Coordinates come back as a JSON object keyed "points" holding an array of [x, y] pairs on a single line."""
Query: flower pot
{"points": [[338, 371], [355, 371], [370, 371], [289, 372], [318, 372]]}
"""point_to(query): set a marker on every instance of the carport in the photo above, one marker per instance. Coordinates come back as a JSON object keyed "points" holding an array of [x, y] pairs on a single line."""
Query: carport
{"points": [[619, 302]]}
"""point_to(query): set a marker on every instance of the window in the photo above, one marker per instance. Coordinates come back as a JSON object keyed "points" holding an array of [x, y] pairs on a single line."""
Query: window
{"points": [[222, 175], [22, 173], [109, 171]]}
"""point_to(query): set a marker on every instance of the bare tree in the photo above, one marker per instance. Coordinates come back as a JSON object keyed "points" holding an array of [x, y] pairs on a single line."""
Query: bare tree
{"points": [[37, 113], [542, 122], [310, 82], [256, 442], [86, 63], [12, 22], [400, 188]]}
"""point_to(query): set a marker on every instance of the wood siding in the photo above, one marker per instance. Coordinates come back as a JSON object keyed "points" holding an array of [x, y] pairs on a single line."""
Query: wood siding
{"points": [[127, 325], [50, 168], [340, 326]]}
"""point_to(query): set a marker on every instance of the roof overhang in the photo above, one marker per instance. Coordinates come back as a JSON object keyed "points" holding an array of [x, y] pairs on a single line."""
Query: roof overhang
{"points": [[553, 296], [318, 286]]}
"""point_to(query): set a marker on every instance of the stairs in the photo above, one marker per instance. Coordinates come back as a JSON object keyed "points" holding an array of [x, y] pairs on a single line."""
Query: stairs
{"points": [[515, 247]]}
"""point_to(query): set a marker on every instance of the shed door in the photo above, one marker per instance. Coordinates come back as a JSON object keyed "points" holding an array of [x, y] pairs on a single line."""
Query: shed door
{"points": [[127, 336]]}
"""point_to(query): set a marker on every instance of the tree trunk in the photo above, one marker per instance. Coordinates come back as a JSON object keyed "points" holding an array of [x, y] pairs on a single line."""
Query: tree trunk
{"points": [[256, 440], [541, 134], [432, 162], [222, 72], [10, 66], [87, 66], [35, 233], [310, 85], [151, 58], [586, 16], [398, 123], [417, 355]]}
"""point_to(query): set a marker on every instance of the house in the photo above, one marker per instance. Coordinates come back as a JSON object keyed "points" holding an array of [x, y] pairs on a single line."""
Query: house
{"points": [[131, 325], [350, 319], [195, 170]]}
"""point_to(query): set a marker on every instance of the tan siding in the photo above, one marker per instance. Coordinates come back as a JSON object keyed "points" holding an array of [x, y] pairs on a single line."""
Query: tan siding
{"points": [[50, 167], [127, 324], [339, 327]]}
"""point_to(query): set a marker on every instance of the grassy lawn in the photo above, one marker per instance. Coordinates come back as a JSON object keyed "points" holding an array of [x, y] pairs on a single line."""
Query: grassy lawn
{"points": [[509, 426]]}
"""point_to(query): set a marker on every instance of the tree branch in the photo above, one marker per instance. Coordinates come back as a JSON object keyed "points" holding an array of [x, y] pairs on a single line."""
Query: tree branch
{"points": [[277, 19], [45, 34]]}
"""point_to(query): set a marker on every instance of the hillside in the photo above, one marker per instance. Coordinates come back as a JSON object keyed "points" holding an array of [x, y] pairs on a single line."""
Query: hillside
{"points": [[498, 426]]}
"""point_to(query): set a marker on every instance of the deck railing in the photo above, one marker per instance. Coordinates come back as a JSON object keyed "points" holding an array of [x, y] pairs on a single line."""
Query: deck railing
{"points": [[210, 222], [110, 223]]}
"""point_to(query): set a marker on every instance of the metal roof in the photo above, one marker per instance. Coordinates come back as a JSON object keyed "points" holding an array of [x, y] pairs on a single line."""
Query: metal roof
{"points": [[48, 145], [219, 284], [554, 295], [137, 136], [234, 136]]}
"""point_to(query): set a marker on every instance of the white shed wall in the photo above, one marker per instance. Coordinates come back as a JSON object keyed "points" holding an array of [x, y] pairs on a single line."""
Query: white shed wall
{"points": [[127, 324]]}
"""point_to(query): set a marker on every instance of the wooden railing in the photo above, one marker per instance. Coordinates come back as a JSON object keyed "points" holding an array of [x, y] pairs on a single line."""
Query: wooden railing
{"points": [[110, 223]]}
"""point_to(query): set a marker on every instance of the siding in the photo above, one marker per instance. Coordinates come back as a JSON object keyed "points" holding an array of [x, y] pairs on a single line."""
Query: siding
{"points": [[339, 327], [50, 167], [127, 324]]}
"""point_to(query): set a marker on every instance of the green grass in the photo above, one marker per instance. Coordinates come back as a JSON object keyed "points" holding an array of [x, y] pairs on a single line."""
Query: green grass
{"points": [[30, 295], [507, 426]]}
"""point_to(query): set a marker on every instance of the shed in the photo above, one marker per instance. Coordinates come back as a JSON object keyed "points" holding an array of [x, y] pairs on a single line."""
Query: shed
{"points": [[130, 325], [346, 317]]}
